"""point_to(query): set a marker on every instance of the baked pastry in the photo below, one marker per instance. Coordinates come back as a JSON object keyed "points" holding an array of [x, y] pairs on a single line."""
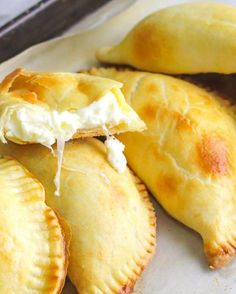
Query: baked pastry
{"points": [[111, 218], [55, 107], [33, 254], [187, 156], [186, 38], [45, 107]]}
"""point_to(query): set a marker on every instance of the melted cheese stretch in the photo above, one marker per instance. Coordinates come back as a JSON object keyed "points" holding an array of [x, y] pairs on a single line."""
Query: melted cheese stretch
{"points": [[60, 152], [33, 123], [115, 153]]}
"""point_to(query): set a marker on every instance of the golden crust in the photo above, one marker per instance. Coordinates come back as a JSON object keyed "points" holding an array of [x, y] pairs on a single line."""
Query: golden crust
{"points": [[66, 233], [150, 249], [38, 263], [110, 215], [173, 40], [57, 273], [62, 92], [222, 255], [213, 156], [191, 137], [58, 91]]}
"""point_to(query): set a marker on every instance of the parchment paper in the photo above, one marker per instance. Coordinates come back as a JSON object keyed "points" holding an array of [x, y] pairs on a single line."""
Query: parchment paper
{"points": [[179, 267]]}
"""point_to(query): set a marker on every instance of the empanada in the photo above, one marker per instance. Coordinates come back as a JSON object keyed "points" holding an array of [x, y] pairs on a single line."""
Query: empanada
{"points": [[187, 157], [45, 107], [33, 255], [111, 218], [55, 107], [186, 38]]}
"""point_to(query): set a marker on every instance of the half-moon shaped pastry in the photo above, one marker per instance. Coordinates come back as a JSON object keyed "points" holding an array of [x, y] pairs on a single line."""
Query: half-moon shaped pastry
{"points": [[187, 38], [33, 256], [45, 107], [110, 215], [187, 157]]}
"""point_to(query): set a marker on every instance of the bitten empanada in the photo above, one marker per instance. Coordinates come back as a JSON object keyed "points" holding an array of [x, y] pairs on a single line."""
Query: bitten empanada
{"points": [[186, 38], [33, 254], [47, 107], [111, 218], [187, 156]]}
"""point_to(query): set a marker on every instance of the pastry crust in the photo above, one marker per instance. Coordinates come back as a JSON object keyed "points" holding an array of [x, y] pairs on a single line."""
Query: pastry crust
{"points": [[62, 93], [188, 154], [33, 254], [112, 220], [187, 38]]}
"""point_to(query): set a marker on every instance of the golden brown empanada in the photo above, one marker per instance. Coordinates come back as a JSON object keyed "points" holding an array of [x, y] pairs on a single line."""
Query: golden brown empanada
{"points": [[111, 218], [33, 256], [45, 107], [186, 38], [187, 157]]}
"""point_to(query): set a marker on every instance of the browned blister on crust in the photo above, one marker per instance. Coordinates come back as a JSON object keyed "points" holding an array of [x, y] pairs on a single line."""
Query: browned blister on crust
{"points": [[190, 154], [111, 218], [33, 255]]}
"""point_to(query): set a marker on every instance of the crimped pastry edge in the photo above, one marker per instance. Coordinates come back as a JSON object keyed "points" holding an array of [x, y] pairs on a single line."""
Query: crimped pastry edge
{"points": [[149, 252], [58, 275], [221, 256]]}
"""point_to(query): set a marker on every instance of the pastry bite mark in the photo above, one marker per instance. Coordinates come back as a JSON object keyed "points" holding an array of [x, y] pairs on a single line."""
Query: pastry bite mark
{"points": [[188, 155], [33, 255], [213, 156], [50, 108]]}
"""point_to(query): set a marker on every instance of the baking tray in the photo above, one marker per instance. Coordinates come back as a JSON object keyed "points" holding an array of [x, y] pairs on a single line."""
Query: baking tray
{"points": [[44, 20]]}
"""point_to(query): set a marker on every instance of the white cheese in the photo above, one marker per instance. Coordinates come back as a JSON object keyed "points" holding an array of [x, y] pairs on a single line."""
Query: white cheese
{"points": [[60, 152], [33, 123], [22, 121], [115, 154]]}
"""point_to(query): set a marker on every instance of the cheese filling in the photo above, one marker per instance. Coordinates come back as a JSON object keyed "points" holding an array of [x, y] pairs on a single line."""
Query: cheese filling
{"points": [[60, 152], [33, 123], [115, 154]]}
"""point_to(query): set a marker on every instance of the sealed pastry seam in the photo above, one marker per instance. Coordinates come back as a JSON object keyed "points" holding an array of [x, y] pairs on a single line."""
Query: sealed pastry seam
{"points": [[223, 254], [148, 247], [48, 269], [123, 281]]}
